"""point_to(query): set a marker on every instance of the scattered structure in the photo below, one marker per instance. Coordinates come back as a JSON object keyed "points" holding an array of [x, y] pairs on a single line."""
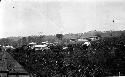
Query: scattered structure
{"points": [[83, 39], [31, 45], [94, 38], [40, 47]]}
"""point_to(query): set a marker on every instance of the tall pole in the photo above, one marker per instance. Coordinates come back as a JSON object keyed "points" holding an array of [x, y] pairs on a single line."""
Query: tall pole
{"points": [[113, 23], [112, 26]]}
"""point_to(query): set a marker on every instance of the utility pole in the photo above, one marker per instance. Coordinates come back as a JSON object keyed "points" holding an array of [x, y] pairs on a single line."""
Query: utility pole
{"points": [[112, 26]]}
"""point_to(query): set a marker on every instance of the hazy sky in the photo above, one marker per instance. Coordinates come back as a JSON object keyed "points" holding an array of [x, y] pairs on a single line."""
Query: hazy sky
{"points": [[29, 17]]}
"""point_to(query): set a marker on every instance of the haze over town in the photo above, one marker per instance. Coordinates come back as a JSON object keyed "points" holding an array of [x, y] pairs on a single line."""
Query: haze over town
{"points": [[22, 18]]}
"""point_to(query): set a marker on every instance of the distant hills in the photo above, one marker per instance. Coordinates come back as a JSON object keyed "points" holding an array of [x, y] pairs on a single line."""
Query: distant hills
{"points": [[96, 33], [14, 38], [82, 35]]}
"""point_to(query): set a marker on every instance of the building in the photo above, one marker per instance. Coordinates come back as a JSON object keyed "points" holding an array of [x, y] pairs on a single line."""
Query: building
{"points": [[94, 38], [9, 67], [31, 45], [83, 39]]}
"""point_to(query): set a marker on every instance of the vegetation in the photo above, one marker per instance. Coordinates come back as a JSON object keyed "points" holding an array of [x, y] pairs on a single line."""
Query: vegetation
{"points": [[18, 41], [104, 57]]}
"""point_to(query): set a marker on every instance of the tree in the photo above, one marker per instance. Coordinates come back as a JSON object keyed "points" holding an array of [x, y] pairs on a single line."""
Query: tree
{"points": [[29, 39], [98, 34], [24, 41], [59, 36], [122, 35], [6, 41]]}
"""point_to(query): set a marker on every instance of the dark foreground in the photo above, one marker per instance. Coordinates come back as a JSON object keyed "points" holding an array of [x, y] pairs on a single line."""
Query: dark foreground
{"points": [[105, 57]]}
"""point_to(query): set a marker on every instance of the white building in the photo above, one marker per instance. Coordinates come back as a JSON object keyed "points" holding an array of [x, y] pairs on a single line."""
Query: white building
{"points": [[94, 38], [31, 45]]}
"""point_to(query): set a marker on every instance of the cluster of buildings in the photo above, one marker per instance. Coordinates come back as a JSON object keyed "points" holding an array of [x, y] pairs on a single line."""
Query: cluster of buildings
{"points": [[42, 46], [85, 40]]}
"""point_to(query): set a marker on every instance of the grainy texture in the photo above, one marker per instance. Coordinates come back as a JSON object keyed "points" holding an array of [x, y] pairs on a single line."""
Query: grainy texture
{"points": [[104, 57]]}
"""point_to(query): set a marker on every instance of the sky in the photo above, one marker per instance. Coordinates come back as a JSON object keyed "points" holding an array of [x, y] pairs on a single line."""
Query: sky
{"points": [[35, 17]]}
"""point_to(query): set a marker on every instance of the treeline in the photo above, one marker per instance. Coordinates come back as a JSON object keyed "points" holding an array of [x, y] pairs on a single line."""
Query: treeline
{"points": [[18, 41], [26, 40], [37, 39]]}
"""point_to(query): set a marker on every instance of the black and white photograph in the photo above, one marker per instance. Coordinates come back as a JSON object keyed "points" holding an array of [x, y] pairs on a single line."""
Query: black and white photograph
{"points": [[62, 38]]}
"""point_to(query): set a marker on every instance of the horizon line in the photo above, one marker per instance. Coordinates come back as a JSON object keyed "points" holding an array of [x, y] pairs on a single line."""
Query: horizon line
{"points": [[38, 34]]}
